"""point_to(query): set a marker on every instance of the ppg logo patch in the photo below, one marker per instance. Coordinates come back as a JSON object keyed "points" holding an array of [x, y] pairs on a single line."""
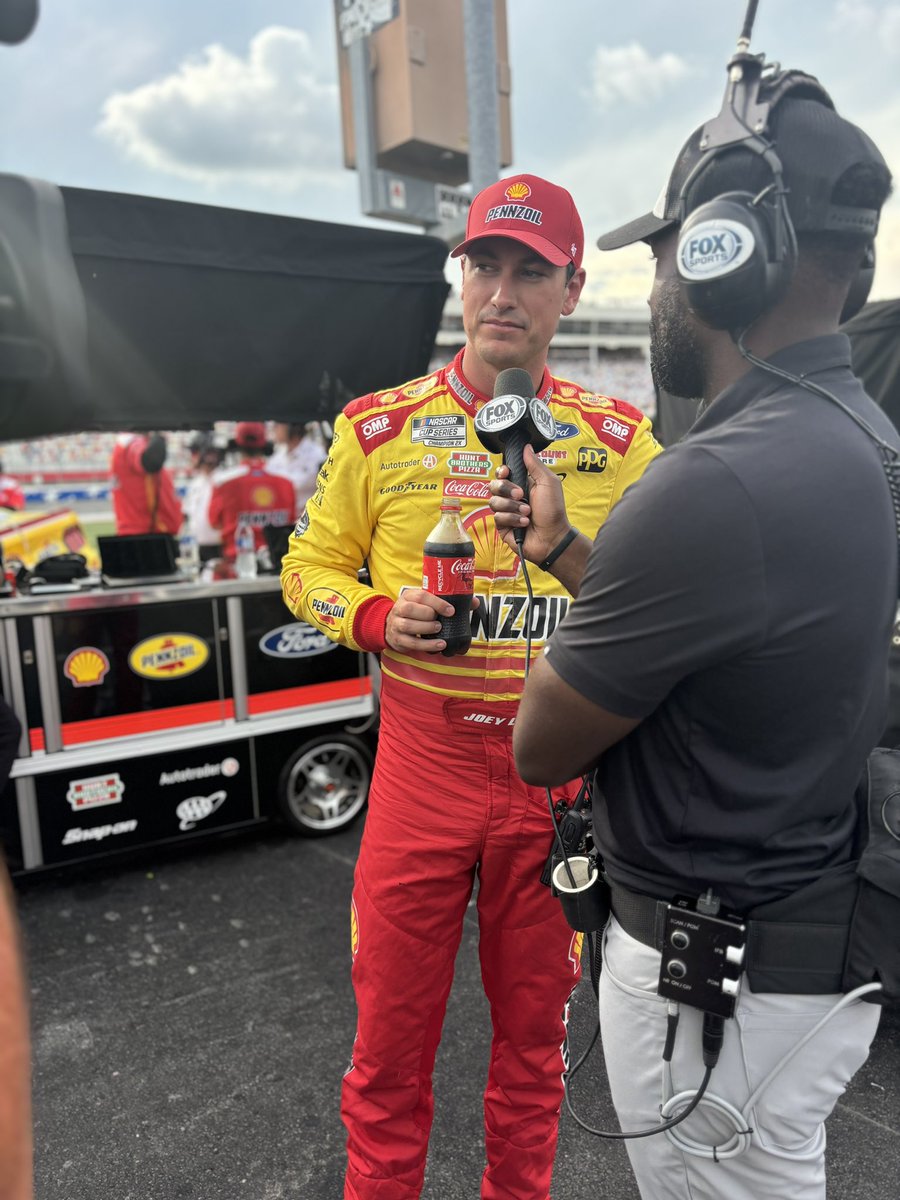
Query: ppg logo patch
{"points": [[714, 248], [591, 458]]}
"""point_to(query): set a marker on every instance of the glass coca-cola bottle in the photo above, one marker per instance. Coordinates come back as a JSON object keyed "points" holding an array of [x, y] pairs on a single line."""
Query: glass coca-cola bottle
{"points": [[448, 571]]}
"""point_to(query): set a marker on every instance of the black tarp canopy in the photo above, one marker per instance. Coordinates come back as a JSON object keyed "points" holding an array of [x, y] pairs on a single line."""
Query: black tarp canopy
{"points": [[197, 314]]}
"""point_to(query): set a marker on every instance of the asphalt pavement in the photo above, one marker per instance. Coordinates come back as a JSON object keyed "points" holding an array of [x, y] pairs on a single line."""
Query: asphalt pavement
{"points": [[192, 1017]]}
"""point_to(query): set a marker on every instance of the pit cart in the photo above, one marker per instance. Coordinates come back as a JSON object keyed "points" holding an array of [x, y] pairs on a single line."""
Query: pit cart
{"points": [[161, 713]]}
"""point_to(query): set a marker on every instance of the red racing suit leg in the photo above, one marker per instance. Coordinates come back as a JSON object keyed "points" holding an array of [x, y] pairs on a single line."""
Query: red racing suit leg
{"points": [[446, 802]]}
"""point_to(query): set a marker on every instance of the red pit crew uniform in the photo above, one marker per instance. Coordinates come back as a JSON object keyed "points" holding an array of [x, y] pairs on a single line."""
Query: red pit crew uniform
{"points": [[445, 798], [249, 493], [142, 502]]}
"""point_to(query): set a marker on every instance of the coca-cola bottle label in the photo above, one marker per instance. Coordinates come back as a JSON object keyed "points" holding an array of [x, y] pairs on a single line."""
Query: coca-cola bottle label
{"points": [[448, 576]]}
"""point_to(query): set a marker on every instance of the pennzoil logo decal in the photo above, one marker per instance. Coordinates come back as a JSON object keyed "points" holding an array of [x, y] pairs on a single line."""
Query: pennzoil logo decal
{"points": [[86, 667], [168, 656], [327, 606]]}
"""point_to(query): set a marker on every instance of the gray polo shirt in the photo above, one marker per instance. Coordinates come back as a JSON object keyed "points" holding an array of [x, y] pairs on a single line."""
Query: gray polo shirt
{"points": [[739, 600]]}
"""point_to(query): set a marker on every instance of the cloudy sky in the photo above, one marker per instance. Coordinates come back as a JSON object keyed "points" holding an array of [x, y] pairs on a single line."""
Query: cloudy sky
{"points": [[238, 104]]}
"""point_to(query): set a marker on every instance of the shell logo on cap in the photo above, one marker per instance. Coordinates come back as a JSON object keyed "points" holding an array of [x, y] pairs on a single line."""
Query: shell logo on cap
{"points": [[518, 191]]}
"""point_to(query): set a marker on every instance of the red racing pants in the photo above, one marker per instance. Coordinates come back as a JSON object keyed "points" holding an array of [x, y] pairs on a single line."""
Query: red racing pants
{"points": [[446, 803]]}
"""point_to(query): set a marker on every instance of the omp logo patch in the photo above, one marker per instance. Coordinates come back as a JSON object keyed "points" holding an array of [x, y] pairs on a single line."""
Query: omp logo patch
{"points": [[375, 426]]}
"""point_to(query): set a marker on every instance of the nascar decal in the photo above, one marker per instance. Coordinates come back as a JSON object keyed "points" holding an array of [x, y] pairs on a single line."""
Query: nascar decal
{"points": [[86, 667], [297, 640], [469, 462], [168, 656], [447, 430], [503, 618], [327, 606], [354, 931], [197, 808], [592, 459], [95, 791]]}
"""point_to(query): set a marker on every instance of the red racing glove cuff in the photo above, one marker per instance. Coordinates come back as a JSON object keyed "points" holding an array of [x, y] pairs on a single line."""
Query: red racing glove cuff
{"points": [[370, 622]]}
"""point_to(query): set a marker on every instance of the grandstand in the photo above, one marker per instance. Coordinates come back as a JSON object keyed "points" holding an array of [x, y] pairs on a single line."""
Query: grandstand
{"points": [[603, 348]]}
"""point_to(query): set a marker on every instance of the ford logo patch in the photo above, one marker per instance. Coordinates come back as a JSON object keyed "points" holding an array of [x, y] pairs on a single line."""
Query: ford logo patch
{"points": [[297, 640], [564, 431]]}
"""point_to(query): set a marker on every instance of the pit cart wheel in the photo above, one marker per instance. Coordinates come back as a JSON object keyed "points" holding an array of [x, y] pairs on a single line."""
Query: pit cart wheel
{"points": [[323, 786]]}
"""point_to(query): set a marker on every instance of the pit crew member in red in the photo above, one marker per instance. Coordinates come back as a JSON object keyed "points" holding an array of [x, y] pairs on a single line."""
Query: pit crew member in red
{"points": [[248, 492], [143, 494], [446, 802]]}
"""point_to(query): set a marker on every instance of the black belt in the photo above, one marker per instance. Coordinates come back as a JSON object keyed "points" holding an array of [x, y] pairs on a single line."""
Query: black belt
{"points": [[782, 956]]}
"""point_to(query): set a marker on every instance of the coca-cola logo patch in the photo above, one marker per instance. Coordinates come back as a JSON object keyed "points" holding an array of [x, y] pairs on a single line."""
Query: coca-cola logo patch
{"points": [[467, 489]]}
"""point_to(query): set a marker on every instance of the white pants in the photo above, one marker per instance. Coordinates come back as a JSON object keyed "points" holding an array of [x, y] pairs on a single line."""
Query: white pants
{"points": [[786, 1153]]}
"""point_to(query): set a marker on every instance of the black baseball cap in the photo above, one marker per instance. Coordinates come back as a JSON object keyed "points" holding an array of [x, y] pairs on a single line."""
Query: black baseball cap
{"points": [[815, 146]]}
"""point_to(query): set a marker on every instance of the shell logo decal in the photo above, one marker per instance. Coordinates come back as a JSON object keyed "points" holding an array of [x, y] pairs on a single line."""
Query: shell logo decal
{"points": [[354, 928], [575, 952], [86, 667], [518, 191], [263, 497], [168, 656]]}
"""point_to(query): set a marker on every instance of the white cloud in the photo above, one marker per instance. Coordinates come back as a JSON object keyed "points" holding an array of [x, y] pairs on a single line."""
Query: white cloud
{"points": [[878, 24], [629, 73], [269, 118]]}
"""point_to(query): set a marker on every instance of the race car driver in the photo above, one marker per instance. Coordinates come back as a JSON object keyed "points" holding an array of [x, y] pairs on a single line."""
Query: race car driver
{"points": [[446, 801]]}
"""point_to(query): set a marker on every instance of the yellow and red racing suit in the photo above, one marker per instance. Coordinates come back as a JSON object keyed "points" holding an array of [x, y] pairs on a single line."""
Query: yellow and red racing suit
{"points": [[445, 799]]}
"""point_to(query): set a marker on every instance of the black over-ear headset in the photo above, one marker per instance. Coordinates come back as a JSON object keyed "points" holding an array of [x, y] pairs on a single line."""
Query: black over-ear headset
{"points": [[736, 252]]}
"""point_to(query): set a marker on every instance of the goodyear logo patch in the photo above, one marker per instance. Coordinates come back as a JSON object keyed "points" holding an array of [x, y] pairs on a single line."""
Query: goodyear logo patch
{"points": [[168, 656]]}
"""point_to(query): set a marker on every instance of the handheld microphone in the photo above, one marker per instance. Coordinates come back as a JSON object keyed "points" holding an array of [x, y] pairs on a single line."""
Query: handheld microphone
{"points": [[512, 419]]}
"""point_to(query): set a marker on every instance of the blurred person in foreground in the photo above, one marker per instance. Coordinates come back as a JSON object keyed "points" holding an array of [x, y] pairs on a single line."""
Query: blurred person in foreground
{"points": [[724, 667], [446, 804], [143, 493], [206, 458], [15, 1053], [298, 455], [249, 493]]}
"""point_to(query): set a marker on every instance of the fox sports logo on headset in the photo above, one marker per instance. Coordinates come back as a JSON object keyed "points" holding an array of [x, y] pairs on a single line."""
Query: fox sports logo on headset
{"points": [[714, 248]]}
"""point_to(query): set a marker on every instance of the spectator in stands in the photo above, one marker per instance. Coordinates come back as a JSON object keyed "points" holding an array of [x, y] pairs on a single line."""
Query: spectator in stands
{"points": [[298, 455], [11, 495], [143, 494], [248, 492], [206, 458]]}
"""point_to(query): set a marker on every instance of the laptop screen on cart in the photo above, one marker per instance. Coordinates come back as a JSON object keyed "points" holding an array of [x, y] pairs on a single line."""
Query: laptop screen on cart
{"points": [[137, 557]]}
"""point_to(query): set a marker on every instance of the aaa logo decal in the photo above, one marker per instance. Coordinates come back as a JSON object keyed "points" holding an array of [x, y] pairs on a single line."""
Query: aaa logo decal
{"points": [[168, 656], [86, 667]]}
